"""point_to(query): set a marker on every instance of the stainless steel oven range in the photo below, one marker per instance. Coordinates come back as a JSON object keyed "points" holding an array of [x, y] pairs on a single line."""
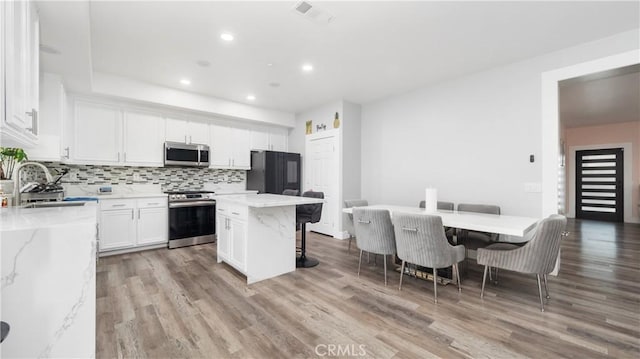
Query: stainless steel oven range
{"points": [[192, 218]]}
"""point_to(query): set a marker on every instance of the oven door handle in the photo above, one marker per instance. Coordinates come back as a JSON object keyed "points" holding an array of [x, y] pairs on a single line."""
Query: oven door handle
{"points": [[192, 204]]}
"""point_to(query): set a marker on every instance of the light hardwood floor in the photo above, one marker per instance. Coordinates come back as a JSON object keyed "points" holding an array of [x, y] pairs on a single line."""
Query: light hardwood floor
{"points": [[181, 304]]}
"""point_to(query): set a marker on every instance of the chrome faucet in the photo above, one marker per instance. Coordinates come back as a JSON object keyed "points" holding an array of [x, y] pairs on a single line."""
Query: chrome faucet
{"points": [[16, 180]]}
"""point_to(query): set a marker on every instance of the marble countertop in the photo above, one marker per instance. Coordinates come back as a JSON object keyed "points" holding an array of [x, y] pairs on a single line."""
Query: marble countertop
{"points": [[268, 200], [18, 218], [230, 191]]}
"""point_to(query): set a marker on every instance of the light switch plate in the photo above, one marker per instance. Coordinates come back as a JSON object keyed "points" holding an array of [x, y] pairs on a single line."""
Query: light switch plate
{"points": [[533, 187]]}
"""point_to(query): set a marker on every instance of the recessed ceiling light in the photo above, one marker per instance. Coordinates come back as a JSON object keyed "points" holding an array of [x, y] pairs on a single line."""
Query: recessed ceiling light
{"points": [[270, 64], [226, 36], [185, 82], [274, 84], [251, 97], [307, 67], [203, 63]]}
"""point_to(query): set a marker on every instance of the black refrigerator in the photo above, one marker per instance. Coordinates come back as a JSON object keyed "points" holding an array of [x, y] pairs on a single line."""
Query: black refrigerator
{"points": [[273, 172]]}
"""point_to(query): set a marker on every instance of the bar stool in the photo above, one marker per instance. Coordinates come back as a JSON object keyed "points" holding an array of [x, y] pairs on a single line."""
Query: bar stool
{"points": [[307, 213]]}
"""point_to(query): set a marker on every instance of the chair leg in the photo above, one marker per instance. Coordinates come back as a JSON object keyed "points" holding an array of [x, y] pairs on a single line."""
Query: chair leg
{"points": [[484, 279], [385, 269], [401, 275], [490, 275], [435, 285], [369, 258], [359, 262], [349, 248], [496, 281], [546, 288], [540, 293], [457, 271]]}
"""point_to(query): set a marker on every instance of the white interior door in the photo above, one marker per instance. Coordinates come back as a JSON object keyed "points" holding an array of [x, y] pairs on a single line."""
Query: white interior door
{"points": [[321, 175]]}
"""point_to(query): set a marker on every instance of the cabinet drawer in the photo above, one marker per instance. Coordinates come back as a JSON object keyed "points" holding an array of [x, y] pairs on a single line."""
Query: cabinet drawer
{"points": [[107, 204], [232, 210], [155, 202]]}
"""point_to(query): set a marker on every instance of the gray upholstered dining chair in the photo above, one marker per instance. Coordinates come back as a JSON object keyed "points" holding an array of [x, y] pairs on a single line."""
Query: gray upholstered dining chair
{"points": [[447, 206], [538, 256], [374, 234], [473, 239], [350, 203], [420, 240]]}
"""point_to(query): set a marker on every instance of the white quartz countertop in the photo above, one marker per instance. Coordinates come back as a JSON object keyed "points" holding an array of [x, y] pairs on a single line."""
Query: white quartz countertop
{"points": [[128, 195], [17, 218], [230, 191], [268, 200]]}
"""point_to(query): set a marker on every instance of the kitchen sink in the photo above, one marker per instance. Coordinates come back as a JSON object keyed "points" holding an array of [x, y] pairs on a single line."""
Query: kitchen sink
{"points": [[53, 204]]}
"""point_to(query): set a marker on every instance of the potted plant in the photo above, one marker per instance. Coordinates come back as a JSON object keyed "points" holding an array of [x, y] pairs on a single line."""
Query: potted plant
{"points": [[9, 157]]}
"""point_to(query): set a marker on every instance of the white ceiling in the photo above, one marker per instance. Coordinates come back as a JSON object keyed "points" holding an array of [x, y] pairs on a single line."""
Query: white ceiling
{"points": [[602, 98], [369, 50]]}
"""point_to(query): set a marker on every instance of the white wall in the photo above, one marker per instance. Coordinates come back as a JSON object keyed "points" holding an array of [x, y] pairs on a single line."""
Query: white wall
{"points": [[471, 137]]}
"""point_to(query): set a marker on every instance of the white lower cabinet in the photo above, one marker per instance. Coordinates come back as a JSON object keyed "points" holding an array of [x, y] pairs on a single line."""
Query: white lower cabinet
{"points": [[132, 223], [232, 236]]}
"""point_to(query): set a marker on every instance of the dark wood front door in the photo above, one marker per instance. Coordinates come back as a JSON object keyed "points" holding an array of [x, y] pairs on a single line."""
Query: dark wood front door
{"points": [[599, 184]]}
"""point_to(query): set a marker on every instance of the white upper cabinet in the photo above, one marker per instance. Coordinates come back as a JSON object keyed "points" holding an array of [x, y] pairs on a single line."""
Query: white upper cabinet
{"points": [[260, 140], [230, 147], [143, 138], [53, 100], [198, 132], [187, 131], [278, 140], [105, 134], [20, 76], [97, 130], [269, 140]]}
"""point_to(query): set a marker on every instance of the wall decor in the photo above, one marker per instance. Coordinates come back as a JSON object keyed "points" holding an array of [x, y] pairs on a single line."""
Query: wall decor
{"points": [[336, 121], [309, 127]]}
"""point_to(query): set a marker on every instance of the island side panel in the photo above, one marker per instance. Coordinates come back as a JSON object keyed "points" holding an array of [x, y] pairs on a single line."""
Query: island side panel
{"points": [[271, 242], [49, 291]]}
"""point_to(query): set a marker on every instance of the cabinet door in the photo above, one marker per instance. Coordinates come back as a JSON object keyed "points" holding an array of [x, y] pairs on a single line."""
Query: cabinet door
{"points": [[176, 130], [259, 140], [16, 36], [198, 132], [241, 148], [220, 143], [278, 141], [117, 229], [97, 133], [51, 119], [239, 243], [222, 237], [32, 103], [152, 226], [143, 138]]}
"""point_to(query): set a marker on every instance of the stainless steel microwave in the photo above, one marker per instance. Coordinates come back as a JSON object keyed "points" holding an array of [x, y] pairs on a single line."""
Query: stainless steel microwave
{"points": [[182, 154]]}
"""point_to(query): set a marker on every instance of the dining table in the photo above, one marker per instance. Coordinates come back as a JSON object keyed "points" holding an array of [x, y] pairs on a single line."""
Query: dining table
{"points": [[512, 229]]}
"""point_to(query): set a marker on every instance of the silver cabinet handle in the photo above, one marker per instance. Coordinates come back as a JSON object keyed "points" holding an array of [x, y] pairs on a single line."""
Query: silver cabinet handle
{"points": [[118, 205], [125, 157], [66, 150], [190, 139], [410, 229], [118, 156], [132, 217], [236, 213], [185, 139], [138, 213], [361, 221], [153, 204], [34, 120]]}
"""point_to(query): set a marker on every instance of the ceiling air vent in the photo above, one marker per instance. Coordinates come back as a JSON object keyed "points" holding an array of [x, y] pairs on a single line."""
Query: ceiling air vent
{"points": [[303, 7], [313, 13]]}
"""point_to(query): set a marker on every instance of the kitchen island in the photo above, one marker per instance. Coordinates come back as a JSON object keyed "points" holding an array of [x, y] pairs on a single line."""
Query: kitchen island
{"points": [[48, 273], [257, 233]]}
